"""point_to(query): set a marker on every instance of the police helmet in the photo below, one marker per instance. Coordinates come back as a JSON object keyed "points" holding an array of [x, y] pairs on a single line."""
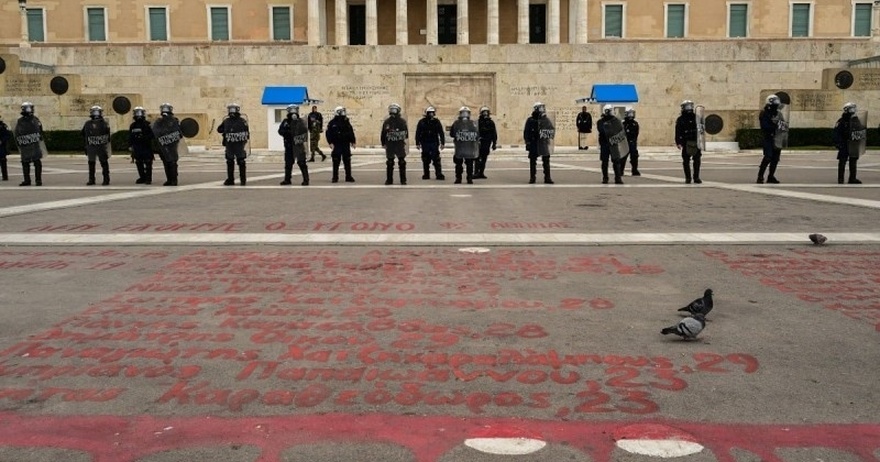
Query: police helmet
{"points": [[27, 107], [339, 111], [394, 109], [293, 109], [464, 112], [140, 112], [850, 108], [630, 112], [430, 111], [773, 100], [233, 108], [606, 109], [687, 105], [96, 112], [166, 109], [539, 107], [484, 111]]}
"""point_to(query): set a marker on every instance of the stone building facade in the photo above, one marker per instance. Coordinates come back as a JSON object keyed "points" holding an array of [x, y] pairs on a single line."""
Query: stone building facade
{"points": [[66, 73]]}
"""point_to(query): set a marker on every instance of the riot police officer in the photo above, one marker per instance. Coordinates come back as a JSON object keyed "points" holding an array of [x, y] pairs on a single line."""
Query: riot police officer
{"points": [[631, 127], [5, 139], [96, 133], [849, 138], [140, 139], [769, 119], [610, 128], [466, 136], [28, 134], [488, 142], [236, 134], [393, 137], [538, 135], [316, 125], [295, 133], [686, 133], [167, 131], [430, 139], [340, 135]]}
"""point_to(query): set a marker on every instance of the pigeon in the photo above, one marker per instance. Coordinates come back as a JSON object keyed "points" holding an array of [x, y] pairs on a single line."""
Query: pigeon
{"points": [[818, 239], [688, 328], [702, 305]]}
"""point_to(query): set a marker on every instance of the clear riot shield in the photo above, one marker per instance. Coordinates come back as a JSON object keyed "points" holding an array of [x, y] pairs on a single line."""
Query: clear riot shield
{"points": [[617, 139], [546, 135], [172, 144], [858, 134], [780, 139], [700, 112]]}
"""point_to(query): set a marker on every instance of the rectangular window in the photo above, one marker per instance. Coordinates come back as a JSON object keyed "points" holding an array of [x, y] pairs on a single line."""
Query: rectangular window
{"points": [[675, 17], [800, 19], [537, 23], [158, 26], [219, 23], [35, 25], [613, 21], [738, 20], [96, 24], [281, 23], [447, 24], [862, 19]]}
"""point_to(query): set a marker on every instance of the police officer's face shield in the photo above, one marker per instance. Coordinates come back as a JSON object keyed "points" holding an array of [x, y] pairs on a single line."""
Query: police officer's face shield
{"points": [[233, 111], [851, 109], [485, 113], [27, 110], [96, 114], [541, 109], [464, 114], [166, 110], [630, 114], [341, 113], [430, 114], [687, 107], [293, 112]]}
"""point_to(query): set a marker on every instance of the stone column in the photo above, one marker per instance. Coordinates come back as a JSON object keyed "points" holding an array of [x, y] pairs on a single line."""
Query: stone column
{"points": [[314, 25], [341, 23], [522, 21], [402, 23], [25, 39], [431, 28], [492, 23], [372, 23], [875, 22], [462, 22], [552, 21], [581, 18]]}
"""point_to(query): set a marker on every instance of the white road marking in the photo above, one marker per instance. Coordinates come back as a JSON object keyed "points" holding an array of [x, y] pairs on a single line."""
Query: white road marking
{"points": [[663, 449], [505, 446], [433, 239]]}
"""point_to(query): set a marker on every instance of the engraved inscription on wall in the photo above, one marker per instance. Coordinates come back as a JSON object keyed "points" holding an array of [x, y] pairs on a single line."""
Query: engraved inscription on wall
{"points": [[447, 93]]}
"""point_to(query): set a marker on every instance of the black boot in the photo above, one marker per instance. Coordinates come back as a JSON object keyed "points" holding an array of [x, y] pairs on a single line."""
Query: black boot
{"points": [[841, 169], [604, 172], [304, 171], [346, 163], [438, 170], [105, 172], [26, 173], [38, 172], [533, 170], [242, 172], [545, 162], [634, 162], [771, 175], [389, 173], [167, 167], [618, 172], [426, 167], [763, 168], [459, 169], [230, 173], [687, 171], [91, 174], [623, 164], [469, 171], [3, 169], [288, 172], [697, 163], [401, 165], [312, 158], [853, 171], [148, 172], [172, 167], [142, 176], [335, 178]]}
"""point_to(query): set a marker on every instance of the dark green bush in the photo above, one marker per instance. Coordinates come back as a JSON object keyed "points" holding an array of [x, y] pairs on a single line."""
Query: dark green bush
{"points": [[750, 138]]}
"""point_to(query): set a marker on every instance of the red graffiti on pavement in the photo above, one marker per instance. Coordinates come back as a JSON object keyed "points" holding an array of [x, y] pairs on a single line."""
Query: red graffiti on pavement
{"points": [[126, 439]]}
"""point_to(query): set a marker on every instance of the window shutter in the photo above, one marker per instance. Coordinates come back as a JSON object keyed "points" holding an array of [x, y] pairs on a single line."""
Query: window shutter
{"points": [[96, 24], [614, 20], [739, 20], [35, 25], [800, 20], [674, 21], [158, 26], [219, 24], [281, 23], [862, 20]]}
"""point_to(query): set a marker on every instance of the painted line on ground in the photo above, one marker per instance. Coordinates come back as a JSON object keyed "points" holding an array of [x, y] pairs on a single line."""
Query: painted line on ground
{"points": [[433, 239]]}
